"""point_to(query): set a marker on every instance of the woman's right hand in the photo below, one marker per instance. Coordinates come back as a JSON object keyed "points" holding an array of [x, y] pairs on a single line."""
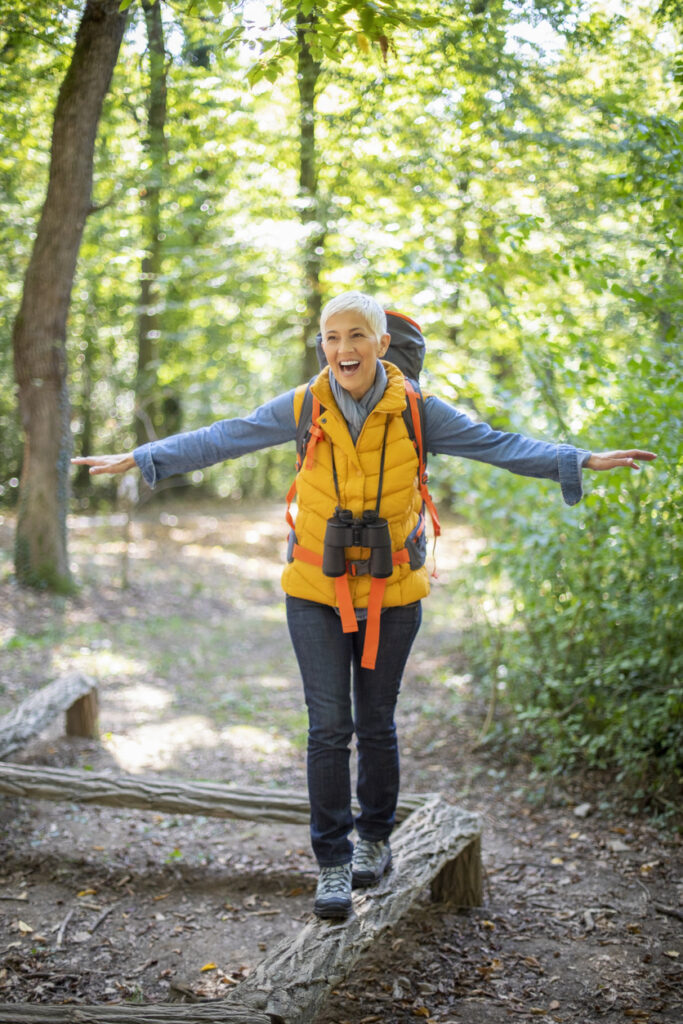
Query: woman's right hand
{"points": [[106, 463]]}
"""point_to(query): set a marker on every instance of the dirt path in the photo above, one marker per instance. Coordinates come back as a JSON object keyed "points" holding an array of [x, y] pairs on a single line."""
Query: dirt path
{"points": [[583, 904]]}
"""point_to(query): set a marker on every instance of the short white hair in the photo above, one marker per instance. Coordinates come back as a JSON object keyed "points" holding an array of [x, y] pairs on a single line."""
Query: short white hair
{"points": [[356, 302]]}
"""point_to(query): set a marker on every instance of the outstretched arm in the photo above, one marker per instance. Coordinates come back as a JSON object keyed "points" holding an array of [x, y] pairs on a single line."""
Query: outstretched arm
{"points": [[106, 463], [271, 424], [610, 460]]}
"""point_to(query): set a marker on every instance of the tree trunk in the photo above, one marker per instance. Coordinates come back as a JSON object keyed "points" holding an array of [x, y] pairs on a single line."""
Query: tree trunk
{"points": [[148, 418], [39, 337], [211, 799], [82, 482], [312, 217], [210, 1012]]}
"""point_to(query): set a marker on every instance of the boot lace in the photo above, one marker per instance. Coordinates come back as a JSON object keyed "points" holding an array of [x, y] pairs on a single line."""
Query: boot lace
{"points": [[367, 855], [334, 881]]}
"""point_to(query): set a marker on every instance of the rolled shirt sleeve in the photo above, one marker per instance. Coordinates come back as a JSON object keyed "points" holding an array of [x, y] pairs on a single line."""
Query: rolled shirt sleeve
{"points": [[450, 432], [271, 424]]}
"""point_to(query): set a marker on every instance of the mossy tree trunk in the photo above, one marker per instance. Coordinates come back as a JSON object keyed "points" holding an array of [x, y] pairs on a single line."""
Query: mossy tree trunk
{"points": [[39, 336]]}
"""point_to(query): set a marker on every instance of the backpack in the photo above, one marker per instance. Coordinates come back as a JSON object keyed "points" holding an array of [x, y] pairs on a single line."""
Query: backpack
{"points": [[406, 351]]}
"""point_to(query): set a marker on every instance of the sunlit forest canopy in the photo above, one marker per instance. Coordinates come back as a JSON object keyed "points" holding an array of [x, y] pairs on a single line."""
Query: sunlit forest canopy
{"points": [[507, 173]]}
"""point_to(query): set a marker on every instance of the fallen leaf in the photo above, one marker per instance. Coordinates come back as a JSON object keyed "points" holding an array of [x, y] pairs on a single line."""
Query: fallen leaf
{"points": [[208, 967], [673, 953], [161, 896], [582, 810], [87, 892], [556, 860], [488, 924], [21, 926]]}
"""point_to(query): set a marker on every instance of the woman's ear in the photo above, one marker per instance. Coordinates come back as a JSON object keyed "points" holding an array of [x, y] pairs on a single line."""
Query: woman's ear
{"points": [[384, 344]]}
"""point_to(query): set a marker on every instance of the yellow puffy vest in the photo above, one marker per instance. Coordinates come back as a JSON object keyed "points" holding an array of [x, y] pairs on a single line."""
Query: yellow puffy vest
{"points": [[358, 473]]}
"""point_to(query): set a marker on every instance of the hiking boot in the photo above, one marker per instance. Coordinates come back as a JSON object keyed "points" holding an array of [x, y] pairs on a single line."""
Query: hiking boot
{"points": [[370, 861], [333, 895]]}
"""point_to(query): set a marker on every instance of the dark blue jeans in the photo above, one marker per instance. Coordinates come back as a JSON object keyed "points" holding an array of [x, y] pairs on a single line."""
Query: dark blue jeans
{"points": [[328, 660]]}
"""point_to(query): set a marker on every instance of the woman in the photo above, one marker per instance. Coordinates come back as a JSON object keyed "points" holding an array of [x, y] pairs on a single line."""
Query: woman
{"points": [[353, 624]]}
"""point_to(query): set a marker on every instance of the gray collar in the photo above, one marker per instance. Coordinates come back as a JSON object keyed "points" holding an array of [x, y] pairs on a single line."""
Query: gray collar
{"points": [[356, 412]]}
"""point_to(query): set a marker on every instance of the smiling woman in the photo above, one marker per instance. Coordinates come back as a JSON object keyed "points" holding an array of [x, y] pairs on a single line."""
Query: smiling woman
{"points": [[352, 616]]}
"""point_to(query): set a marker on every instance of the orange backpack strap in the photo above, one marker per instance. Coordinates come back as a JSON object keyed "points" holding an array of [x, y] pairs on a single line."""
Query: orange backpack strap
{"points": [[371, 644], [415, 399]]}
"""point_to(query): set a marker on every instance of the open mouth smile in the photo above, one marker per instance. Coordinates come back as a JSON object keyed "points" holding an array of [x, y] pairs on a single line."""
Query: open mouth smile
{"points": [[349, 366]]}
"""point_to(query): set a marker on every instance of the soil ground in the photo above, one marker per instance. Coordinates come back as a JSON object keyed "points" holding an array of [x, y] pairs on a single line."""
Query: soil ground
{"points": [[583, 902]]}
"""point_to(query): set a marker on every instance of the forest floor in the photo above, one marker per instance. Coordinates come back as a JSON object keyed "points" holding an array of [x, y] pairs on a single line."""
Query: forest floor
{"points": [[583, 901]]}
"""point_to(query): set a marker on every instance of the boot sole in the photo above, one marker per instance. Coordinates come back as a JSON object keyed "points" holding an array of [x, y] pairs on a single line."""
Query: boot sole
{"points": [[336, 911]]}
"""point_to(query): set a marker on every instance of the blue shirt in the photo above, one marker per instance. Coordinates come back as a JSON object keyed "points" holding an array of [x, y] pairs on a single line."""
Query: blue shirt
{"points": [[448, 432]]}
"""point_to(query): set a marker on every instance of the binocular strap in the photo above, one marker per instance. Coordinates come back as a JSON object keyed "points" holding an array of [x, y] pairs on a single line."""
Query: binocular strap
{"points": [[348, 615]]}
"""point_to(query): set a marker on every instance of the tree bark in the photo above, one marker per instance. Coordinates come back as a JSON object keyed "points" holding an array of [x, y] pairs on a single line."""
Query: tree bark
{"points": [[38, 710], [39, 336], [170, 795], [295, 979], [312, 216], [149, 320], [216, 1012]]}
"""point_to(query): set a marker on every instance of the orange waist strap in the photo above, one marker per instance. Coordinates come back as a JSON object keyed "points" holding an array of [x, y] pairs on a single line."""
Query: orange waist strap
{"points": [[345, 604]]}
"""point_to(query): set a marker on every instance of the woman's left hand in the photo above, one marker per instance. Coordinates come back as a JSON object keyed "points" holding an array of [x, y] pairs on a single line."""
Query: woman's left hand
{"points": [[610, 460]]}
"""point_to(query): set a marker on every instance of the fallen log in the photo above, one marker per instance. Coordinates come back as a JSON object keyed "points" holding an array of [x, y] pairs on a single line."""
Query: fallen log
{"points": [[214, 1012], [295, 979], [173, 796], [74, 693]]}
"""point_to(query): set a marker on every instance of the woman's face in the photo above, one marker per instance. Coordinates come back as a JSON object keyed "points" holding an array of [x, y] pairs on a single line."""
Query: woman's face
{"points": [[352, 350]]}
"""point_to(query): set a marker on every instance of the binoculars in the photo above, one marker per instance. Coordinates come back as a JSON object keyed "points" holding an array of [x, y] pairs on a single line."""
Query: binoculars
{"points": [[371, 531]]}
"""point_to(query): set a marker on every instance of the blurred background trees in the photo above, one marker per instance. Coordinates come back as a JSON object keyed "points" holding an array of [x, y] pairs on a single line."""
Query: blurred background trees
{"points": [[509, 174]]}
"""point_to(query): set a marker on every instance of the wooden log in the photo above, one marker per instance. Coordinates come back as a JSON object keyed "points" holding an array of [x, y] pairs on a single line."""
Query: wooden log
{"points": [[459, 881], [81, 717], [295, 979], [213, 1012], [38, 710], [173, 796]]}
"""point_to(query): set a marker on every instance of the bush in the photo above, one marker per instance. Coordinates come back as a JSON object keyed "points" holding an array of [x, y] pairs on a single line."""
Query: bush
{"points": [[587, 624]]}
